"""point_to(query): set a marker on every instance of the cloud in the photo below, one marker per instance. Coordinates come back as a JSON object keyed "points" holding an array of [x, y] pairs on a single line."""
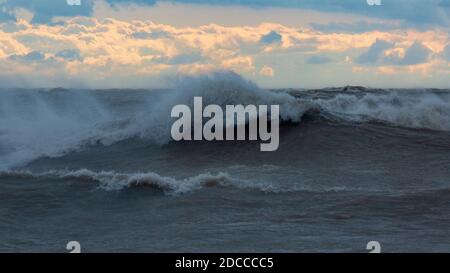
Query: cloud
{"points": [[45, 10], [271, 37], [6, 15], [267, 71], [446, 53], [33, 60], [13, 27], [356, 27], [375, 52], [34, 56], [415, 12], [319, 60], [412, 13], [386, 53], [416, 54], [186, 58], [102, 53], [69, 54], [150, 35]]}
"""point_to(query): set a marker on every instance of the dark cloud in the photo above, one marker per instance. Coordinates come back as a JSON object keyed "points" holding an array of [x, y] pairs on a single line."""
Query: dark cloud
{"points": [[5, 15], [417, 53], [45, 10], [412, 12], [187, 58], [357, 27], [69, 54], [271, 37], [317, 59], [34, 56], [10, 27], [446, 53], [374, 53], [150, 35], [39, 58]]}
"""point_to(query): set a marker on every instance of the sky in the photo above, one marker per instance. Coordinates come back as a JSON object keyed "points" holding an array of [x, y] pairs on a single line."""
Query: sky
{"points": [[275, 43]]}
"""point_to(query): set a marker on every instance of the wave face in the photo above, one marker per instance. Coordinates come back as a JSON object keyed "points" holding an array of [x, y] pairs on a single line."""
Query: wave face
{"points": [[52, 123], [355, 158], [36, 123]]}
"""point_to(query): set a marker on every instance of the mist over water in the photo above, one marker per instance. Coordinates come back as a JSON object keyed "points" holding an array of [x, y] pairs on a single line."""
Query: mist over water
{"points": [[98, 166]]}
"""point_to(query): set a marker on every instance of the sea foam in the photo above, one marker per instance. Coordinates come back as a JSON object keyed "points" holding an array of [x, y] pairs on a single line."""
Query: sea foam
{"points": [[36, 124]]}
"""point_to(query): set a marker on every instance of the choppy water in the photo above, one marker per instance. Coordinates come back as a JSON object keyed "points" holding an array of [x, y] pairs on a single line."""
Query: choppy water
{"points": [[354, 165]]}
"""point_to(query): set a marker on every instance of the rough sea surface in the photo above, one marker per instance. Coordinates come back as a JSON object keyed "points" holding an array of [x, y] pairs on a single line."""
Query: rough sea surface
{"points": [[98, 166]]}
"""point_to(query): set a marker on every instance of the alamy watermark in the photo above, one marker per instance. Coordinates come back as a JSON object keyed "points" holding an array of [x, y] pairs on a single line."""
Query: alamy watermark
{"points": [[229, 126], [74, 247], [374, 2], [73, 2], [374, 247]]}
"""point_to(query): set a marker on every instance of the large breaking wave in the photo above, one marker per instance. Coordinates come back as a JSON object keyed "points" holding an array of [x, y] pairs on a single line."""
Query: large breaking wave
{"points": [[36, 124]]}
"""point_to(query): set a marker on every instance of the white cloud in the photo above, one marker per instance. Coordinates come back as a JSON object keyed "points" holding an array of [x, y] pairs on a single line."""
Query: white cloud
{"points": [[267, 71], [138, 53]]}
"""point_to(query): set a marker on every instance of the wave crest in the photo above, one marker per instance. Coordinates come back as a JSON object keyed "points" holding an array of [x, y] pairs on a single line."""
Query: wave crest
{"points": [[116, 181], [51, 124], [407, 109], [54, 123]]}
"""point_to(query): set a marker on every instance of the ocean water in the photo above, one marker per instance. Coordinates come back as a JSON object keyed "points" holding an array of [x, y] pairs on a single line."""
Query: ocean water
{"points": [[98, 166]]}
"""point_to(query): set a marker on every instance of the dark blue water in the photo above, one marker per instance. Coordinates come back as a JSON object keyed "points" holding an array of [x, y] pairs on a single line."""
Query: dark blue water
{"points": [[361, 165]]}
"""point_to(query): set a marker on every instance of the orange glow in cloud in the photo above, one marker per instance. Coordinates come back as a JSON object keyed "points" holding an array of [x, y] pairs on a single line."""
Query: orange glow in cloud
{"points": [[103, 48]]}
